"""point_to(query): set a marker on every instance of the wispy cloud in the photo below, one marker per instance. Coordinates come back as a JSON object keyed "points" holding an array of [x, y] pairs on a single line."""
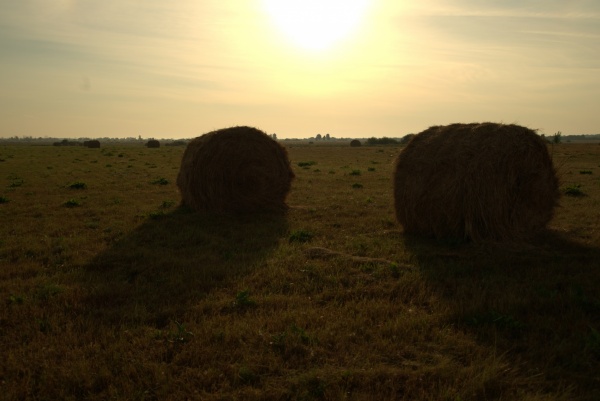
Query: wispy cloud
{"points": [[557, 9]]}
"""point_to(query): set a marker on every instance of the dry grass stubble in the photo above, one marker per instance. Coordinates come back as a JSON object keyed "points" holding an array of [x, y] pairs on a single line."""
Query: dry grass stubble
{"points": [[134, 300]]}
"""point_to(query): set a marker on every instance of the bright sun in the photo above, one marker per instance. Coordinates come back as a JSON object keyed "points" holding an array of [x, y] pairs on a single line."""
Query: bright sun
{"points": [[316, 24]]}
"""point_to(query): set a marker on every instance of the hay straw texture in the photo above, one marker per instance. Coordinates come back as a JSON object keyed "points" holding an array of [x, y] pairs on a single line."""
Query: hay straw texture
{"points": [[355, 143], [235, 170], [475, 181]]}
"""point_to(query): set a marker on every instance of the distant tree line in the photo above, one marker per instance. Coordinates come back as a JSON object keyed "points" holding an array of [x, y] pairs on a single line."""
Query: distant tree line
{"points": [[66, 142], [178, 142], [556, 138], [382, 141], [594, 137], [79, 141], [552, 138]]}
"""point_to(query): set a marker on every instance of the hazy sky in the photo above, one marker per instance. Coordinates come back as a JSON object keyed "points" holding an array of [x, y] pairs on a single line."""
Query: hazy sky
{"points": [[156, 68]]}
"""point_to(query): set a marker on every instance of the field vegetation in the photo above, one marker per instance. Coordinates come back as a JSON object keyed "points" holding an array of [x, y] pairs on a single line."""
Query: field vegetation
{"points": [[110, 291]]}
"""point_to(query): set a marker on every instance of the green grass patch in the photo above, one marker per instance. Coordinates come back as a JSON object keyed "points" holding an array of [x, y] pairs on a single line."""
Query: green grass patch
{"points": [[160, 181], [72, 203], [301, 236], [574, 190], [17, 182], [243, 300], [78, 185], [167, 204]]}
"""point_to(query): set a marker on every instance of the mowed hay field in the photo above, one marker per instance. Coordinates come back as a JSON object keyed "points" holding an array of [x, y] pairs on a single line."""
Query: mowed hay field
{"points": [[109, 291]]}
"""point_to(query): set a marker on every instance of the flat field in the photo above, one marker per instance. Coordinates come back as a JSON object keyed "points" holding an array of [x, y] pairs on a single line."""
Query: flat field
{"points": [[109, 291]]}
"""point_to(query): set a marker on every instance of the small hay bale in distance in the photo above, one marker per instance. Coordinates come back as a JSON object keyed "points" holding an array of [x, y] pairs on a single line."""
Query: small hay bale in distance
{"points": [[235, 170], [153, 143], [355, 143], [475, 181], [91, 144]]}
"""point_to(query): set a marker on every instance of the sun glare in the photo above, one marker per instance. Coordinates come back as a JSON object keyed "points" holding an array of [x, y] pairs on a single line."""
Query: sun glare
{"points": [[316, 24]]}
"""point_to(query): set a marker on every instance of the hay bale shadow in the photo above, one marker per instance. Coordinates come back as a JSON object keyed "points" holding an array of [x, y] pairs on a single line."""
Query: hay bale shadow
{"points": [[167, 264], [535, 303]]}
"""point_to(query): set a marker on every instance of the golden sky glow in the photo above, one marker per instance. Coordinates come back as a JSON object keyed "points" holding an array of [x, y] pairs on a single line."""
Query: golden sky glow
{"points": [[74, 68]]}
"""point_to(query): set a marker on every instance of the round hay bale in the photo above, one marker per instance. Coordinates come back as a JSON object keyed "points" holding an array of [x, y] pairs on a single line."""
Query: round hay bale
{"points": [[475, 181], [92, 144], [235, 170], [153, 143], [355, 143]]}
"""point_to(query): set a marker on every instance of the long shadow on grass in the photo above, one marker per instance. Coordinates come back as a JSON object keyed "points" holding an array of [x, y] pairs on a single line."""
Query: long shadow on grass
{"points": [[154, 274], [537, 304]]}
